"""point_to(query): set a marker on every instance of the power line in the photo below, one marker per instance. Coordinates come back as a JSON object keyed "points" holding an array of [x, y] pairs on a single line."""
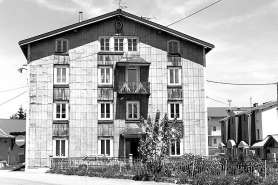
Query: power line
{"points": [[220, 101], [227, 83], [12, 98], [12, 89], [194, 13]]}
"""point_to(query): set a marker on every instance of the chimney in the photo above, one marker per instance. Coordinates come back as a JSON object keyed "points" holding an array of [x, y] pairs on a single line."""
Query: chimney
{"points": [[255, 105], [80, 16]]}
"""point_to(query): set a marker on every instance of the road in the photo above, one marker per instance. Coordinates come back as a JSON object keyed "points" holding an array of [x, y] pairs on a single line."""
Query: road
{"points": [[40, 178]]}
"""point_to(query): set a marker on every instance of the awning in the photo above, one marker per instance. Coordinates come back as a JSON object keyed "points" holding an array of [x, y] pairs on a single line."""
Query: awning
{"points": [[133, 133], [231, 144], [243, 144], [132, 59], [221, 145]]}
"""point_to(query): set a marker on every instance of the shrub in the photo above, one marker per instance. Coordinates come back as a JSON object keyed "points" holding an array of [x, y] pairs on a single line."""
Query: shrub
{"points": [[222, 180], [141, 177], [201, 179], [271, 180], [248, 179], [183, 178]]}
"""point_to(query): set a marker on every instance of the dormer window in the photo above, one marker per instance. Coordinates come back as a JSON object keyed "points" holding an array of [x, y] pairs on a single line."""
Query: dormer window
{"points": [[61, 46], [132, 44], [173, 47], [104, 44], [118, 44]]}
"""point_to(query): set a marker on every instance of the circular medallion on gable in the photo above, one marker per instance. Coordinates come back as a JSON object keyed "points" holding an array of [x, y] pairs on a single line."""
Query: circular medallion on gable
{"points": [[118, 25]]}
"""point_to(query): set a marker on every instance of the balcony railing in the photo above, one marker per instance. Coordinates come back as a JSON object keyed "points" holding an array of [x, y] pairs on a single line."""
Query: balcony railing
{"points": [[134, 87]]}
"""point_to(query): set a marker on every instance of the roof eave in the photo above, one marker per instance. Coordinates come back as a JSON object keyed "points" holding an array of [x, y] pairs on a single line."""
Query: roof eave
{"points": [[206, 45]]}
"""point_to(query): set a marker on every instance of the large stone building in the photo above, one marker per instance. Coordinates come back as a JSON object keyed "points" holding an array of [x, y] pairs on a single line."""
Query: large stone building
{"points": [[91, 82]]}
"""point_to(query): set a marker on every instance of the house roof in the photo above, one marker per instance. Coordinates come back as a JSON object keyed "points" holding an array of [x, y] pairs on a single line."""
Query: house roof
{"points": [[118, 12], [222, 111], [262, 143], [12, 125], [5, 135], [251, 109]]}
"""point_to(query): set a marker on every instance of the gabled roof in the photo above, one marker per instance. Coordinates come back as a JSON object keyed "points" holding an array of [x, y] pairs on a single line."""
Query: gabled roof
{"points": [[12, 125], [118, 12], [222, 111], [251, 109]]}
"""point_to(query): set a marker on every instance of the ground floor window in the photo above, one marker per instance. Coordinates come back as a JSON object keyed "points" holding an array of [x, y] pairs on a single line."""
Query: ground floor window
{"points": [[132, 110], [60, 147], [176, 148], [105, 146]]}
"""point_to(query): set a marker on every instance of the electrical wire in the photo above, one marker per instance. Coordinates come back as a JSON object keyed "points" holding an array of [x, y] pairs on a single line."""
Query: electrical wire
{"points": [[13, 98], [194, 13], [12, 89], [227, 83], [221, 102]]}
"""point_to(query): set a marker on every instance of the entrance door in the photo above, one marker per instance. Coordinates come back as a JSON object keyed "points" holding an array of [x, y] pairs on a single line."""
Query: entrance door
{"points": [[134, 148]]}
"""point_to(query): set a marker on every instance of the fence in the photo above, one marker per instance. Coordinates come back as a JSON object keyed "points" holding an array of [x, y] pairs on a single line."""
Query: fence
{"points": [[170, 167]]}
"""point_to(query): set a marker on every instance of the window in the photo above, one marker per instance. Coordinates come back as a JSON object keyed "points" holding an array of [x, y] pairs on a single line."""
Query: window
{"points": [[61, 46], [132, 44], [104, 44], [214, 128], [105, 111], [118, 44], [105, 146], [176, 148], [60, 147], [174, 76], [174, 110], [105, 75], [61, 74], [214, 141], [132, 110], [173, 47], [60, 111]]}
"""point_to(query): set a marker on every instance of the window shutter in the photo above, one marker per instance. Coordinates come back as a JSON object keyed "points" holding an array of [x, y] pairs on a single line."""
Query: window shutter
{"points": [[111, 148], [181, 146], [99, 147], [58, 45], [65, 46]]}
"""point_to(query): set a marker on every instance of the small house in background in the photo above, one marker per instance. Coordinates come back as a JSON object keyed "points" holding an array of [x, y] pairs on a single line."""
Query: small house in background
{"points": [[9, 150], [252, 130], [215, 145]]}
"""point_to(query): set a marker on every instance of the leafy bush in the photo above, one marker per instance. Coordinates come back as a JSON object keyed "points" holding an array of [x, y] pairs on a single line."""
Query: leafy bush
{"points": [[222, 180], [201, 179], [271, 180], [183, 178], [141, 177], [248, 179]]}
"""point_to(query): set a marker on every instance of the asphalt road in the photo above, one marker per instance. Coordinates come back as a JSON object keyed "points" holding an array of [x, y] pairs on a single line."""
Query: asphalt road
{"points": [[40, 178]]}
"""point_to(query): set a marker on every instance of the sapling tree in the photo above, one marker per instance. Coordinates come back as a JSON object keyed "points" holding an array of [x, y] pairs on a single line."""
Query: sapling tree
{"points": [[155, 146]]}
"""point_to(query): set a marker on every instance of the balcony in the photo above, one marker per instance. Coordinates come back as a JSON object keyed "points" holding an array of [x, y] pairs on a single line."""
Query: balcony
{"points": [[134, 87]]}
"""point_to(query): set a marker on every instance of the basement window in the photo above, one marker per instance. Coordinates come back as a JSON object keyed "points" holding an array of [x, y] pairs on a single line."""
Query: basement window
{"points": [[61, 46]]}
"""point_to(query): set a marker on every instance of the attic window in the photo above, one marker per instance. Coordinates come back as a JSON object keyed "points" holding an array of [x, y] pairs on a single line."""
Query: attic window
{"points": [[173, 47], [61, 46]]}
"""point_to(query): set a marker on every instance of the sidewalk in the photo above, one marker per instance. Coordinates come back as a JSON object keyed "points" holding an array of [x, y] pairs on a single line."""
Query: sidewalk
{"points": [[46, 178]]}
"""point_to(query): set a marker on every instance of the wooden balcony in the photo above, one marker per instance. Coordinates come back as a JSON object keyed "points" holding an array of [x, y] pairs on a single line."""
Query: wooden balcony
{"points": [[175, 94], [134, 87]]}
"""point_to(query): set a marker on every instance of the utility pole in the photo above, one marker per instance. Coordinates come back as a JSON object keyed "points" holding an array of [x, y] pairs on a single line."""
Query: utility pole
{"points": [[230, 104]]}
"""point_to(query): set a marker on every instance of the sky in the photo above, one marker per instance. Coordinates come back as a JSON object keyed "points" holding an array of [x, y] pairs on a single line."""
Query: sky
{"points": [[244, 32]]}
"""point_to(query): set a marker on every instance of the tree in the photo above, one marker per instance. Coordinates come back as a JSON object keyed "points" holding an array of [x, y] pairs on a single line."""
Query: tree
{"points": [[21, 114], [155, 146]]}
